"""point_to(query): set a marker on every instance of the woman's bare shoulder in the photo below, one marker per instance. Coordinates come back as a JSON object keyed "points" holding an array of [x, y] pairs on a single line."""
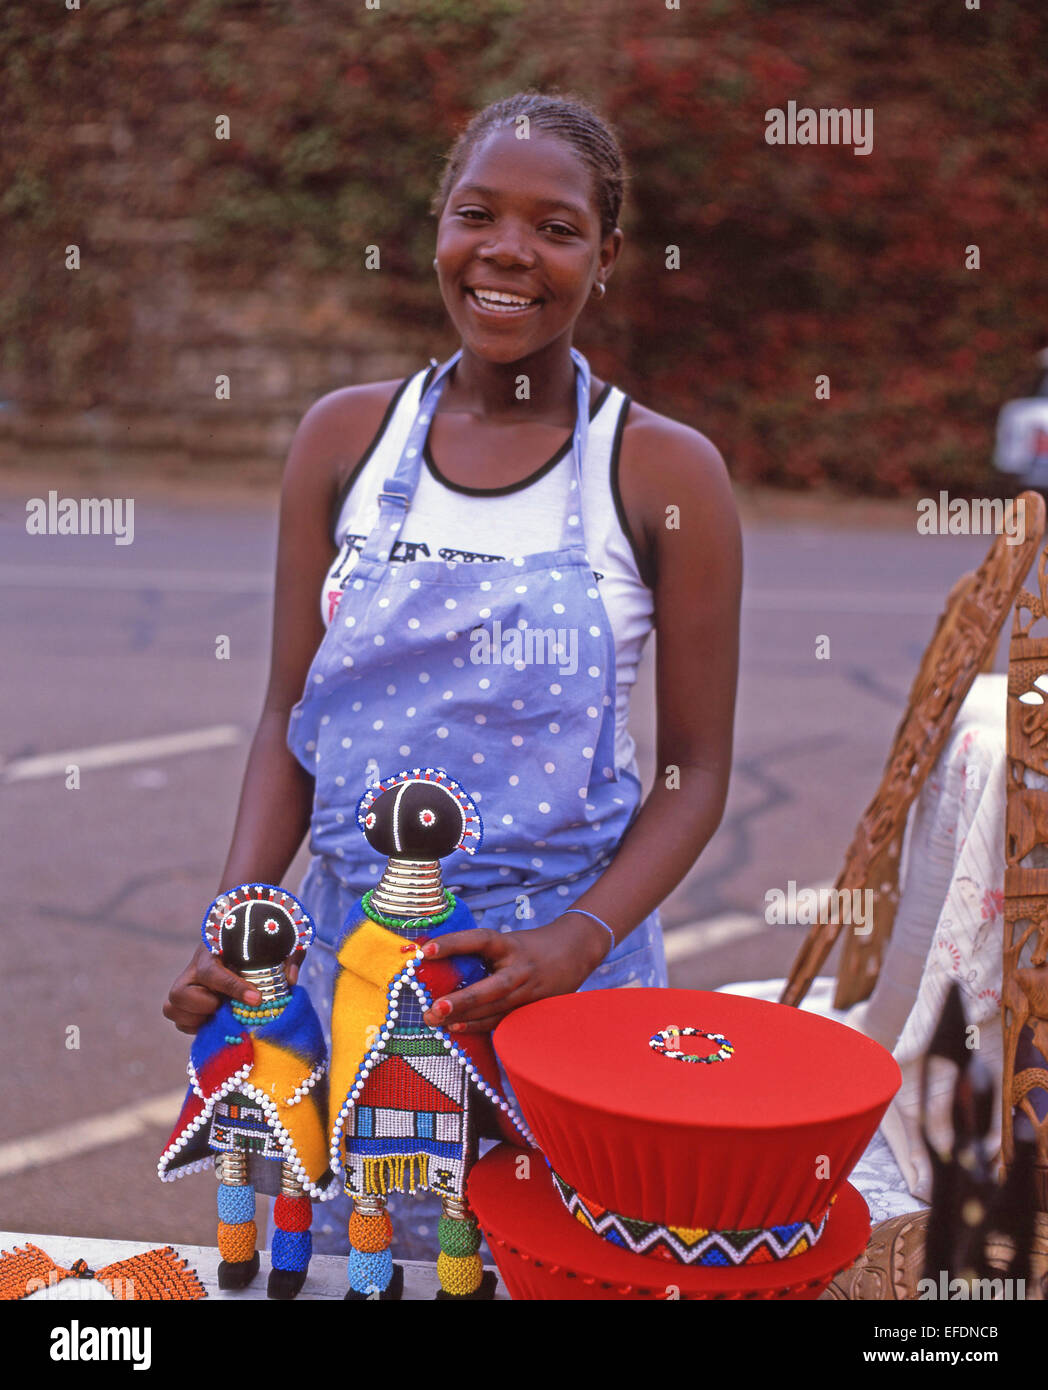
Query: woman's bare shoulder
{"points": [[662, 463], [677, 443], [339, 426]]}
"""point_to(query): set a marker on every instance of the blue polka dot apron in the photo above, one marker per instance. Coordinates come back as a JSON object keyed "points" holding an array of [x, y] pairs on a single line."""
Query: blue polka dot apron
{"points": [[465, 666]]}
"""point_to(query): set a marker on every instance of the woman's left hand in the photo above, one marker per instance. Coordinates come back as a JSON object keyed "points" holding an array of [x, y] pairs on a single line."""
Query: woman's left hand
{"points": [[525, 966]]}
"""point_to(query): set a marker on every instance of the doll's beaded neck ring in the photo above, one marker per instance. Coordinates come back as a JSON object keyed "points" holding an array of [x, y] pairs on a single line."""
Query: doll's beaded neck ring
{"points": [[667, 1044]]}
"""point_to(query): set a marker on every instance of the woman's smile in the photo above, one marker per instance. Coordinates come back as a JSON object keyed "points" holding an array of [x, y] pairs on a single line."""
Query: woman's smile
{"points": [[500, 303]]}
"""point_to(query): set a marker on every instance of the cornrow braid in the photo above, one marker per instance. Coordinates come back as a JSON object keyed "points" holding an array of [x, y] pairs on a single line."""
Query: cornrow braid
{"points": [[562, 114]]}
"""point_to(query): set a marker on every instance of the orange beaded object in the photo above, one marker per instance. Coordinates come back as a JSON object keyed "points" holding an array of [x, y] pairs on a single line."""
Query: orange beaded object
{"points": [[237, 1243], [370, 1233], [25, 1269], [153, 1275]]}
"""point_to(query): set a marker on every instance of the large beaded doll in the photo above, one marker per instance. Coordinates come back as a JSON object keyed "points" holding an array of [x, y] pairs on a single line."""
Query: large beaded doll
{"points": [[257, 1098], [408, 1101]]}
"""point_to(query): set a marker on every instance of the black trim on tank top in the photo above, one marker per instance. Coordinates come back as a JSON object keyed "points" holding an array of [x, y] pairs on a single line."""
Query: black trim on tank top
{"points": [[344, 490], [562, 452], [620, 510]]}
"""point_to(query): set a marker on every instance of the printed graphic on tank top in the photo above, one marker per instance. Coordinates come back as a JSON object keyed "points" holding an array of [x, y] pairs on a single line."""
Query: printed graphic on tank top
{"points": [[409, 675]]}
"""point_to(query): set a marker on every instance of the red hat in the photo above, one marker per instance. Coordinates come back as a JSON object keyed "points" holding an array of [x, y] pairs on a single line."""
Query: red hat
{"points": [[724, 1177]]}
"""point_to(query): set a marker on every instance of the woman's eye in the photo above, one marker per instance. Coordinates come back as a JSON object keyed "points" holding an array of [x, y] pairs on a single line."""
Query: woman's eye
{"points": [[560, 229]]}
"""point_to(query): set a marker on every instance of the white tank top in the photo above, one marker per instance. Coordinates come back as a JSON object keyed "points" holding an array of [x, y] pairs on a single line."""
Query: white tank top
{"points": [[448, 521]]}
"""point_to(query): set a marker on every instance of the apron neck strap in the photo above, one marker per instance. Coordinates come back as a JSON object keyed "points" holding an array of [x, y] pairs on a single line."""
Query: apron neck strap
{"points": [[395, 498]]}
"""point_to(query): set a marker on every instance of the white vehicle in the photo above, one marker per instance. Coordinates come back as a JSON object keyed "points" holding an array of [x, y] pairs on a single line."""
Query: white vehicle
{"points": [[1022, 436]]}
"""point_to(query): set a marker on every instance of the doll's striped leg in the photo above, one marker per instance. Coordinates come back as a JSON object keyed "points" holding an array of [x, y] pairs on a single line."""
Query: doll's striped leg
{"points": [[237, 1232], [372, 1273], [292, 1241], [462, 1275]]}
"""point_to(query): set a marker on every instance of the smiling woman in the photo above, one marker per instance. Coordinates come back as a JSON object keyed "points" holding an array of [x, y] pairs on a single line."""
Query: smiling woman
{"points": [[558, 504]]}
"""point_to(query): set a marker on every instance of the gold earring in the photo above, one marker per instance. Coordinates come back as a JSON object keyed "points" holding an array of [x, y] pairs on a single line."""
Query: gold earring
{"points": [[600, 289], [435, 265]]}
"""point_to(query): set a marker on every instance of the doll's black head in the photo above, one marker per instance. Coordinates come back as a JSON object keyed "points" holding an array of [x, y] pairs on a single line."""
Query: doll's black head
{"points": [[415, 820], [254, 935]]}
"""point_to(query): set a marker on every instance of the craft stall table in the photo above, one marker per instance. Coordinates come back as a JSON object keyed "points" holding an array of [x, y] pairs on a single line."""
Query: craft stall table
{"points": [[326, 1281]]}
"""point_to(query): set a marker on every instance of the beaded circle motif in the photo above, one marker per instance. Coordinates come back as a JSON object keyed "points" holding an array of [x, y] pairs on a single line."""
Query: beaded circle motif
{"points": [[667, 1044], [472, 825], [211, 926]]}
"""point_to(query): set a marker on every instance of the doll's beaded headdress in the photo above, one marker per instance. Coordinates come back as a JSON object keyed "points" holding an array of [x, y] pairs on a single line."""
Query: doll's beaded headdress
{"points": [[471, 830], [285, 906]]}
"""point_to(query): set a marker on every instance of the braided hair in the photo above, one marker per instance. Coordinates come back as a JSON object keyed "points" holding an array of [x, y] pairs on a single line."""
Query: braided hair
{"points": [[563, 115]]}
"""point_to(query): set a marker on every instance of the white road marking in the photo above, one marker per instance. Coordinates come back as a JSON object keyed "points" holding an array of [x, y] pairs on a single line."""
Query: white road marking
{"points": [[98, 577], [82, 1136], [841, 601], [205, 582], [113, 754], [683, 943]]}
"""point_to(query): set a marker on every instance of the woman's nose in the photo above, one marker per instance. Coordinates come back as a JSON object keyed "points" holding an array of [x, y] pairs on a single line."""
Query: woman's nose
{"points": [[509, 246]]}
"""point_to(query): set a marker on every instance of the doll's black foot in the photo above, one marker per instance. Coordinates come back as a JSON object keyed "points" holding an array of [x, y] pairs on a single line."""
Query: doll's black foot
{"points": [[484, 1291], [239, 1274], [286, 1283], [390, 1294]]}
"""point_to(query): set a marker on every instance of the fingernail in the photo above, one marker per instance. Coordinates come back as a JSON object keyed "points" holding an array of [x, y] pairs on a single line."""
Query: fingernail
{"points": [[252, 996], [430, 948]]}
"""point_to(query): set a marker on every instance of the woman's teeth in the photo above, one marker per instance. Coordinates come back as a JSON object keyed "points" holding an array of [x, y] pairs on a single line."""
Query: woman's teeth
{"points": [[501, 303]]}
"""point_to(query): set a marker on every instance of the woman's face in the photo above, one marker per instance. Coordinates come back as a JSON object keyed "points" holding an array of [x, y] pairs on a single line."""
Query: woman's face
{"points": [[519, 245]]}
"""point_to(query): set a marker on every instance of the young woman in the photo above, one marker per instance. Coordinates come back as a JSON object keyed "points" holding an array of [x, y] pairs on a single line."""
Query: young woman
{"points": [[529, 495]]}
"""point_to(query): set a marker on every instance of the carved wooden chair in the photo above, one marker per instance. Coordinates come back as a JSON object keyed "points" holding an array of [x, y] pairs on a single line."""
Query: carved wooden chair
{"points": [[964, 644], [1024, 996], [893, 1262]]}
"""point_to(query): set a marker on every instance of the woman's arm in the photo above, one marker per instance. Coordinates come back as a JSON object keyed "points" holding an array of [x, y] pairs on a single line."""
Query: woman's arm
{"points": [[698, 583], [277, 793]]}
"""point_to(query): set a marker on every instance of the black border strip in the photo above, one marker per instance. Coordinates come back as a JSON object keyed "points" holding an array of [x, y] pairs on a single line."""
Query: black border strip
{"points": [[595, 408], [620, 510]]}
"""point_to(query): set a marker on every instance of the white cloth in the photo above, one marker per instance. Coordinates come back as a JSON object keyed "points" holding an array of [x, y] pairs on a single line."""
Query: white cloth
{"points": [[949, 924]]}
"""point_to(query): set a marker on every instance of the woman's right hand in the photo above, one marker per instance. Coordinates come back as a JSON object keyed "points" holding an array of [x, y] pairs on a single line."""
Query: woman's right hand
{"points": [[201, 988], [203, 985]]}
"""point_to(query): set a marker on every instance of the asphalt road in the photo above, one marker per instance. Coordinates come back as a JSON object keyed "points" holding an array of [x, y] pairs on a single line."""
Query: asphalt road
{"points": [[105, 885]]}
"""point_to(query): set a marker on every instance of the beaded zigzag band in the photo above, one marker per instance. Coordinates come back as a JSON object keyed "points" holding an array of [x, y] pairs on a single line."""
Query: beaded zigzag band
{"points": [[692, 1245], [667, 1044]]}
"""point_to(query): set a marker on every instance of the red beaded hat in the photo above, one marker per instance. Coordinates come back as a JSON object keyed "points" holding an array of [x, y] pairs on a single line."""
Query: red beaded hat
{"points": [[698, 1145]]}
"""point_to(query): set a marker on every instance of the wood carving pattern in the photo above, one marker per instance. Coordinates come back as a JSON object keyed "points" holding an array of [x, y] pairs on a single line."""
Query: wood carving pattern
{"points": [[964, 642], [891, 1266], [1025, 965]]}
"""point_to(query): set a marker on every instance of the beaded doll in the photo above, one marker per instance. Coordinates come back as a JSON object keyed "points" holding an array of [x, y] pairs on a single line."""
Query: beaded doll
{"points": [[257, 1097], [408, 1102]]}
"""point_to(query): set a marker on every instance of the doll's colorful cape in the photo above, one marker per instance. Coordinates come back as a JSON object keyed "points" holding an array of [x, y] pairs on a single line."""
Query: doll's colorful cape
{"points": [[697, 1145], [408, 1102], [281, 1066]]}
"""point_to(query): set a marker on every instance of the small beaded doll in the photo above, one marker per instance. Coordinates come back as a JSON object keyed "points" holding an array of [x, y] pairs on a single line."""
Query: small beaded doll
{"points": [[257, 1095], [408, 1101]]}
